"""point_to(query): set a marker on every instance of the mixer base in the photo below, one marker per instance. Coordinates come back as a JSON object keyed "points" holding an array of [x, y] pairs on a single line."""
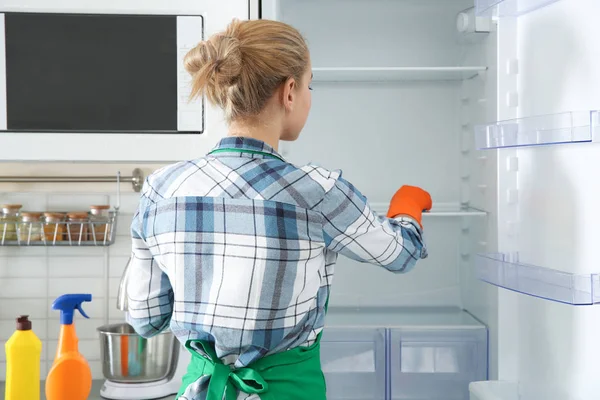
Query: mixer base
{"points": [[138, 391]]}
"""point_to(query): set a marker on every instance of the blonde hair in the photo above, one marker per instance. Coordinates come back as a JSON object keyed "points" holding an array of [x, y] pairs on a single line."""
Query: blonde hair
{"points": [[240, 69]]}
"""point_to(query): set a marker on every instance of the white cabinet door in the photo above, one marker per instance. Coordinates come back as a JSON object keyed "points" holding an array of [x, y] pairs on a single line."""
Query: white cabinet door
{"points": [[157, 147]]}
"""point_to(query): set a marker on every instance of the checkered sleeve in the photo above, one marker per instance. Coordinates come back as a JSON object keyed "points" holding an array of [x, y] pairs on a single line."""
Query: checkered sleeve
{"points": [[352, 229], [149, 292]]}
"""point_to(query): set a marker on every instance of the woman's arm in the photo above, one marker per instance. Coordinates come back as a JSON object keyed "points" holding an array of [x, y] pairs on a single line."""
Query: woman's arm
{"points": [[149, 291], [352, 229]]}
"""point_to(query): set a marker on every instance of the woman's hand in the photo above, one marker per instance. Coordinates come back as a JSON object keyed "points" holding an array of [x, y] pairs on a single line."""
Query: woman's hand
{"points": [[410, 201]]}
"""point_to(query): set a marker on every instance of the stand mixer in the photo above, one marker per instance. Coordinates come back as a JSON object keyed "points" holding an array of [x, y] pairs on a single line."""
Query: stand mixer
{"points": [[150, 390], [136, 368]]}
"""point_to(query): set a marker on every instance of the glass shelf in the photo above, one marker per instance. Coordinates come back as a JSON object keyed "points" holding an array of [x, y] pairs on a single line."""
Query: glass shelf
{"points": [[567, 127], [438, 210], [505, 271], [508, 8], [386, 74]]}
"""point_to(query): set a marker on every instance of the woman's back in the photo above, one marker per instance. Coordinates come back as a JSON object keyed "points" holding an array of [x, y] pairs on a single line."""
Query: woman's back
{"points": [[240, 237]]}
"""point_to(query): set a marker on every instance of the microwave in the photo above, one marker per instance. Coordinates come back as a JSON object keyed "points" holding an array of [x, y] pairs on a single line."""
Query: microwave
{"points": [[85, 83]]}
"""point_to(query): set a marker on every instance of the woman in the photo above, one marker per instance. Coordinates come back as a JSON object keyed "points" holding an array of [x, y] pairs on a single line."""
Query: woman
{"points": [[235, 251]]}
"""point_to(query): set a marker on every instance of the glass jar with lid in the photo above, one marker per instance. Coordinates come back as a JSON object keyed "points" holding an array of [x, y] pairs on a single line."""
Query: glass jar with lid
{"points": [[100, 217], [54, 227], [9, 221], [30, 227], [77, 226]]}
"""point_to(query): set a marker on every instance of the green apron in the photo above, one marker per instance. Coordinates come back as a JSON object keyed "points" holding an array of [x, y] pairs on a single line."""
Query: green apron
{"points": [[291, 375]]}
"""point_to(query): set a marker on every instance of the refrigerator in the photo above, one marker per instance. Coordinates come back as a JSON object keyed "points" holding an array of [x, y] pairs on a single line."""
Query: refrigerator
{"points": [[491, 106]]}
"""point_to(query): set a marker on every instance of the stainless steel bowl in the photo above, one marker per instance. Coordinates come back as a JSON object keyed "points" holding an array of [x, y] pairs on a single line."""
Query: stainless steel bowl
{"points": [[129, 358]]}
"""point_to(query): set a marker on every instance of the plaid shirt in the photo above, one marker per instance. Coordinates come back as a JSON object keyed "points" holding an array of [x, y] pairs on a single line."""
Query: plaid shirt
{"points": [[238, 248]]}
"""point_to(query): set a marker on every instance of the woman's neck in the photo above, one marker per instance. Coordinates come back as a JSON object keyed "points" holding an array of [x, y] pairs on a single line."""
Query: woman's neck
{"points": [[263, 132]]}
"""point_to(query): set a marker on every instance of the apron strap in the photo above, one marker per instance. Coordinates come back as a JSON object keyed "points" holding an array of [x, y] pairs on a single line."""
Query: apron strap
{"points": [[223, 379], [227, 150]]}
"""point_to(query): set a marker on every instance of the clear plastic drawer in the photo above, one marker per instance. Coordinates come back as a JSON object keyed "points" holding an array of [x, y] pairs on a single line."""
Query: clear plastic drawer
{"points": [[437, 363], [354, 363]]}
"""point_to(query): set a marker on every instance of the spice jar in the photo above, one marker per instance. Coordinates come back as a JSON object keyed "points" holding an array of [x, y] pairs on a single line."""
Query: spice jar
{"points": [[99, 217], [77, 226], [30, 227], [54, 227], [9, 220]]}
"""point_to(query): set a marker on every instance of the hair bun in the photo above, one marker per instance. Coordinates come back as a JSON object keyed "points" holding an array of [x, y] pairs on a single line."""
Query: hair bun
{"points": [[227, 63], [271, 52]]}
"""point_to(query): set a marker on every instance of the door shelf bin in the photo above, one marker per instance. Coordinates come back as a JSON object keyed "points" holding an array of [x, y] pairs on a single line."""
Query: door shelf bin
{"points": [[437, 363], [505, 271], [568, 127], [509, 8], [354, 363]]}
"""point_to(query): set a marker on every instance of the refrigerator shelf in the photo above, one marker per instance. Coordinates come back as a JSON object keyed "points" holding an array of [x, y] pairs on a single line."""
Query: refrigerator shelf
{"points": [[438, 210], [509, 8], [390, 74], [505, 271], [561, 128]]}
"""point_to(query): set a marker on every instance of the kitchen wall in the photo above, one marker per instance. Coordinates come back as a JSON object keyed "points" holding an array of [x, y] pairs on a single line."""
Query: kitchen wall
{"points": [[31, 278]]}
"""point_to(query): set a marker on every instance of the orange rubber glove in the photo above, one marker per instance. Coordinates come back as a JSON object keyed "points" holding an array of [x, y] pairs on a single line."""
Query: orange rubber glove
{"points": [[411, 201]]}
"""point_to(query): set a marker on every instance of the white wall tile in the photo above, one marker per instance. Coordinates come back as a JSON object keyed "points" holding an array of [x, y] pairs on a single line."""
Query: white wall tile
{"points": [[124, 224], [122, 247], [76, 251], [60, 286], [113, 287], [76, 267], [22, 267], [86, 328], [115, 314], [116, 266], [23, 288], [12, 308], [23, 251]]}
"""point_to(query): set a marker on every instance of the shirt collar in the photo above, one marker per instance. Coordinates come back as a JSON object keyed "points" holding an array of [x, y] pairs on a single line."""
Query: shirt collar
{"points": [[245, 143]]}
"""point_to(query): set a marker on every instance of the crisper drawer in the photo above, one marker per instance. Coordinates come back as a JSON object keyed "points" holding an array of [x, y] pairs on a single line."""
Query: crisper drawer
{"points": [[353, 360], [437, 364]]}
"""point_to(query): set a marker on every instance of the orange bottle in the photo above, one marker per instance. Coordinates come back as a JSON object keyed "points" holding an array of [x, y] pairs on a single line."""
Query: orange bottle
{"points": [[70, 376]]}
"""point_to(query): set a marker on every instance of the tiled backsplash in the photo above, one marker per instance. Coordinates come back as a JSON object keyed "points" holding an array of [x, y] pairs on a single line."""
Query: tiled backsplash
{"points": [[32, 277]]}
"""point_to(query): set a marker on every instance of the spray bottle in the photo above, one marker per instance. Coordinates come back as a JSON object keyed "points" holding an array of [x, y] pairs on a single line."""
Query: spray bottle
{"points": [[70, 376], [23, 351]]}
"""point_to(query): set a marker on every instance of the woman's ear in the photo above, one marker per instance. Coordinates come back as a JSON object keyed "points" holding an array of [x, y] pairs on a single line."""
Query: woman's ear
{"points": [[288, 94]]}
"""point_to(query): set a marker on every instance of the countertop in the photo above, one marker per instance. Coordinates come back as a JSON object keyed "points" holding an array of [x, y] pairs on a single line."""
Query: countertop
{"points": [[95, 395]]}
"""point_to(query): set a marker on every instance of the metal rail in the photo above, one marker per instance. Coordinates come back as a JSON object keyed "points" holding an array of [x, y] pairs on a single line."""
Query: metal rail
{"points": [[136, 179]]}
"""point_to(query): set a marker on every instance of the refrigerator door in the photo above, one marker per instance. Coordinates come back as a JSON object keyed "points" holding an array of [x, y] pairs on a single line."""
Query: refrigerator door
{"points": [[548, 197]]}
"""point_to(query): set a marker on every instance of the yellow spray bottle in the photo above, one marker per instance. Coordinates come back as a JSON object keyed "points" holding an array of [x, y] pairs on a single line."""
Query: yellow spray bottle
{"points": [[23, 351]]}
